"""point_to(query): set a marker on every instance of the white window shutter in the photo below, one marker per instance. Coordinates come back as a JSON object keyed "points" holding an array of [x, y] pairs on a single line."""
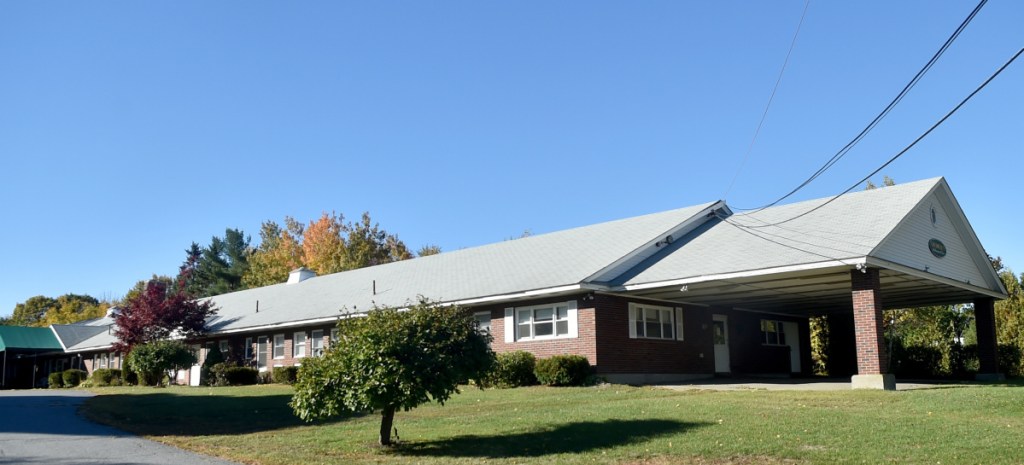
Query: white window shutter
{"points": [[510, 325], [632, 321], [679, 324], [574, 328]]}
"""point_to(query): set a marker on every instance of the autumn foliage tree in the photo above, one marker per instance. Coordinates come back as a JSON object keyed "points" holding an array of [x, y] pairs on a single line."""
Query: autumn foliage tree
{"points": [[156, 313], [326, 245]]}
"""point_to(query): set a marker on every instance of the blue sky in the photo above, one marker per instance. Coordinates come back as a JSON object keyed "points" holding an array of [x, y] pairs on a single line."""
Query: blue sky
{"points": [[130, 129]]}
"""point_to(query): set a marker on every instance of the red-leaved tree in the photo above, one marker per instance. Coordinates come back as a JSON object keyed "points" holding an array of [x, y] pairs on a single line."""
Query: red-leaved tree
{"points": [[158, 312]]}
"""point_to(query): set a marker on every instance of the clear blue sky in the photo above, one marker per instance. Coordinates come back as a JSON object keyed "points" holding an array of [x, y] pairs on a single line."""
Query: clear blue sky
{"points": [[130, 129]]}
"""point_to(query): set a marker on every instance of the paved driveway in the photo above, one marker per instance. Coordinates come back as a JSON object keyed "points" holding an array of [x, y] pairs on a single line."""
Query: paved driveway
{"points": [[43, 427]]}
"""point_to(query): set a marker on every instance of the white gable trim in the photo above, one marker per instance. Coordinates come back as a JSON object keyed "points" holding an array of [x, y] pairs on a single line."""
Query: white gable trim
{"points": [[944, 196], [630, 260], [881, 263], [846, 263]]}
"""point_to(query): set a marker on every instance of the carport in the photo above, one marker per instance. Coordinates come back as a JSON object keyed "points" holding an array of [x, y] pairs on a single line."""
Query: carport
{"points": [[850, 257], [24, 352]]}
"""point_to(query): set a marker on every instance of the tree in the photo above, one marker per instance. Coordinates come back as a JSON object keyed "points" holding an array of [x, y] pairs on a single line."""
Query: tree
{"points": [[219, 267], [69, 308], [429, 249], [157, 312], [393, 360], [368, 245], [152, 360], [280, 251], [323, 248], [32, 311]]}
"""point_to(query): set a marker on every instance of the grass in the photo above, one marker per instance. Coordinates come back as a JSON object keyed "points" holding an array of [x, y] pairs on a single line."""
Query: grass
{"points": [[608, 424]]}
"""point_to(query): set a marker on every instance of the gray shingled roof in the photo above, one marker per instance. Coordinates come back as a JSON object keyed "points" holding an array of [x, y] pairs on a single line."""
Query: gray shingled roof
{"points": [[537, 262], [849, 227]]}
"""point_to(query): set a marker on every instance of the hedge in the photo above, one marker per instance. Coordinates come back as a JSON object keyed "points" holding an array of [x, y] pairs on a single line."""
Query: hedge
{"points": [[284, 375], [512, 369], [73, 377], [563, 370]]}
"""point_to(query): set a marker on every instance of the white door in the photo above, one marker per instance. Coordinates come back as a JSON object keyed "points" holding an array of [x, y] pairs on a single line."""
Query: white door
{"points": [[261, 353], [720, 325], [193, 373], [793, 341]]}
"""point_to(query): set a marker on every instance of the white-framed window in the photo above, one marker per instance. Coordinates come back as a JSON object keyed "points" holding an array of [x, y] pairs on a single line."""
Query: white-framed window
{"points": [[248, 348], [299, 345], [483, 321], [772, 333], [334, 336], [103, 360], [279, 346], [655, 322], [538, 322], [316, 343], [224, 348]]}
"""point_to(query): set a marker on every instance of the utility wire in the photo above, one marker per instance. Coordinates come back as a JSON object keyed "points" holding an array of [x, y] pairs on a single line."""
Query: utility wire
{"points": [[764, 115], [906, 89], [905, 149]]}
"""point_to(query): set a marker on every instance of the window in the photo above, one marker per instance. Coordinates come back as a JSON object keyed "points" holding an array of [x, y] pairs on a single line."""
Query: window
{"points": [[771, 333], [334, 335], [224, 348], [248, 348], [261, 353], [653, 322], [279, 346], [103, 360], [542, 321], [483, 321], [316, 343], [299, 345]]}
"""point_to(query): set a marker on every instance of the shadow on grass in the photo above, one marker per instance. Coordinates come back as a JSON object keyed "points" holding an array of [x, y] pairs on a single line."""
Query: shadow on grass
{"points": [[169, 414], [569, 438]]}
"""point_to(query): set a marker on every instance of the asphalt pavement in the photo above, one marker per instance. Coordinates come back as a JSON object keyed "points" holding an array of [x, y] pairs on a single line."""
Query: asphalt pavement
{"points": [[44, 427]]}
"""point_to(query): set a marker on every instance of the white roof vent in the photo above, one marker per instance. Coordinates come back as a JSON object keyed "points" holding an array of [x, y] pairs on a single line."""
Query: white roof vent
{"points": [[300, 274]]}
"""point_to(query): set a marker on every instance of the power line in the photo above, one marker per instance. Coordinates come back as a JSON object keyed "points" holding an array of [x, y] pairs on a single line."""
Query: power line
{"points": [[874, 122], [905, 149], [764, 115]]}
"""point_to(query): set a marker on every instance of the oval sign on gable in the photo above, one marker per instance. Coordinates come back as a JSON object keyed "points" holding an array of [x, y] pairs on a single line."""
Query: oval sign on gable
{"points": [[937, 248]]}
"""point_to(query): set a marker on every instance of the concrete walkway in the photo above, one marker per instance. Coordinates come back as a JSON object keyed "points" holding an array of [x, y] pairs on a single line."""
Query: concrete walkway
{"points": [[784, 384], [43, 426]]}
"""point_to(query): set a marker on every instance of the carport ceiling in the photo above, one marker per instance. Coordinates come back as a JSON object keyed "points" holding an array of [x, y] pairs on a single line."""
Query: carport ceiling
{"points": [[808, 292]]}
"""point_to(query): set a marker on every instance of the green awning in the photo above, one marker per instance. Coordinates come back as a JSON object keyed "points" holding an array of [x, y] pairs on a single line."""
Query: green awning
{"points": [[23, 337]]}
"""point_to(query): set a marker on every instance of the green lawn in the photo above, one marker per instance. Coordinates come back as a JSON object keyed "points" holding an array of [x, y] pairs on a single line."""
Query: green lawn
{"points": [[606, 424]]}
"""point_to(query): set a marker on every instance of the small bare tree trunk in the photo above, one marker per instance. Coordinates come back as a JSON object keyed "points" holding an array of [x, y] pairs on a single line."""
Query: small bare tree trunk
{"points": [[387, 418]]}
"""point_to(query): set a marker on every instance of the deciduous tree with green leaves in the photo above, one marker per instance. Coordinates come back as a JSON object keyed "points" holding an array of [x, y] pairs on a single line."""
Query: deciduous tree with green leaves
{"points": [[391, 360]]}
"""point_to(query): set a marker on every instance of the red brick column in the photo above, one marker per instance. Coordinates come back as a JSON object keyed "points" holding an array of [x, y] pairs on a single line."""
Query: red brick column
{"points": [[985, 319], [867, 322]]}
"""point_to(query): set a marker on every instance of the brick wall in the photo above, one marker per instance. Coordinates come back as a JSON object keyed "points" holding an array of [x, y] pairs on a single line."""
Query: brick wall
{"points": [[618, 353], [867, 321]]}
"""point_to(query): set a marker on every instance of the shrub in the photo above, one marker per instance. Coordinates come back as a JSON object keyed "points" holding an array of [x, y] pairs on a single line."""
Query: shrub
{"points": [[152, 361], [512, 369], [106, 377], [73, 377], [56, 380], [241, 376], [563, 370], [213, 357], [284, 375], [1010, 360]]}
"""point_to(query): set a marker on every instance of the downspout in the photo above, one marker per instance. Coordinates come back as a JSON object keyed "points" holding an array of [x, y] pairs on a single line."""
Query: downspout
{"points": [[4, 381]]}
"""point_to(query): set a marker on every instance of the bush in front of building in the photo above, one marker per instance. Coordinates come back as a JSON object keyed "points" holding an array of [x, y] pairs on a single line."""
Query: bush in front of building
{"points": [[56, 380], [206, 375], [512, 369], [241, 376], [563, 370], [73, 377], [153, 360], [284, 375], [105, 377]]}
